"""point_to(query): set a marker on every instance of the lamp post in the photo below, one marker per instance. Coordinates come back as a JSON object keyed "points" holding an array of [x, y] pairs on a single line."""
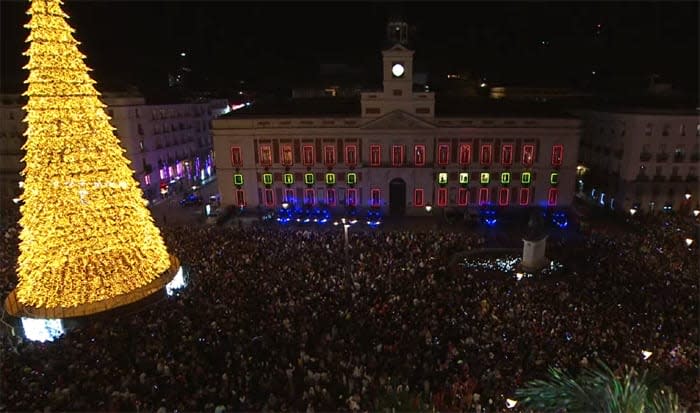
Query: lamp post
{"points": [[688, 242], [633, 211], [687, 195], [428, 208], [285, 205], [696, 210]]}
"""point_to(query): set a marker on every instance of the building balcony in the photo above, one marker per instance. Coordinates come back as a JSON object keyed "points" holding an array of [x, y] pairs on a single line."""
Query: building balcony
{"points": [[661, 157], [659, 178], [675, 178], [691, 178], [695, 157], [645, 157], [679, 157], [642, 178]]}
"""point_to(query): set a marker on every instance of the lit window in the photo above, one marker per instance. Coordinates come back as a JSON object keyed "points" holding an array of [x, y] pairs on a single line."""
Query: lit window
{"points": [[375, 194], [375, 155], [528, 155], [554, 178], [329, 155], [309, 178], [465, 154], [418, 198], [330, 178], [236, 159], [267, 179], [507, 155], [240, 198], [552, 197], [238, 179], [505, 178], [443, 154], [442, 178], [309, 197], [265, 155], [269, 198], [442, 197], [352, 197], [330, 197], [486, 152], [419, 155], [147, 179], [483, 196], [503, 196], [557, 155], [525, 178], [484, 178], [397, 155], [351, 155], [308, 155], [351, 178], [288, 179], [289, 195], [287, 155], [141, 146], [524, 198], [463, 197], [464, 178]]}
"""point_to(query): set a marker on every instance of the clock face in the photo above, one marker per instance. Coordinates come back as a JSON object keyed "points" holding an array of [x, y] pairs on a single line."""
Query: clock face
{"points": [[397, 70]]}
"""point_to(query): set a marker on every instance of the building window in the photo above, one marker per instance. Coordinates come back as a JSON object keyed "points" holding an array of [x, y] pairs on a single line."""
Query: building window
{"points": [[463, 197], [236, 158], [267, 179], [330, 178], [351, 178], [140, 129], [418, 198], [329, 155], [308, 155], [289, 196], [554, 178], [557, 155], [309, 178], [265, 155], [442, 197], [524, 198], [505, 178], [141, 146], [682, 129], [442, 178], [147, 180], [464, 178], [484, 178], [330, 197], [486, 152], [287, 155], [240, 198], [375, 155], [552, 197], [649, 129], [352, 197], [443, 154], [419, 155], [269, 198], [288, 179], [484, 196], [397, 155], [375, 195], [528, 155], [351, 155], [465, 154], [238, 179], [507, 154], [503, 196], [309, 197]]}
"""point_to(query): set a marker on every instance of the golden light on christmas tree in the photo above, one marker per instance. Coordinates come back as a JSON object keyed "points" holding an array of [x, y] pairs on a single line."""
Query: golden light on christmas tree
{"points": [[88, 242]]}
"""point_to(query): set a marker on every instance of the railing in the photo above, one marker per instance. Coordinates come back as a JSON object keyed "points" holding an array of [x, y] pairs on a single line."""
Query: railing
{"points": [[642, 178], [645, 156], [691, 178], [661, 157], [675, 178], [659, 178], [679, 157]]}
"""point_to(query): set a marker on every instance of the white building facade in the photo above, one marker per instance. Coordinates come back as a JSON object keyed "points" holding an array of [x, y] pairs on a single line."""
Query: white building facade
{"points": [[642, 159], [396, 155]]}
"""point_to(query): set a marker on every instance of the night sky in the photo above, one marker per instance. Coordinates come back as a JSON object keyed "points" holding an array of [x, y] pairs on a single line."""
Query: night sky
{"points": [[270, 43]]}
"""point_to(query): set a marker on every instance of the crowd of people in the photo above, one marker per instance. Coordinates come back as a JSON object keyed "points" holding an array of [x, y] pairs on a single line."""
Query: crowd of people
{"points": [[280, 319]]}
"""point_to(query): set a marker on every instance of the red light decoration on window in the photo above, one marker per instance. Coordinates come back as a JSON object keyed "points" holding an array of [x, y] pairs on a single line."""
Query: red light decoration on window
{"points": [[329, 155], [330, 195], [463, 197], [265, 155], [397, 155], [507, 154], [419, 155], [557, 155], [484, 196], [307, 155], [503, 196], [528, 154], [236, 158], [418, 198], [552, 197], [352, 197], [240, 198], [351, 155], [465, 154], [443, 154], [524, 198], [375, 196], [442, 197], [287, 155], [375, 155], [269, 198], [289, 195], [486, 152], [309, 197]]}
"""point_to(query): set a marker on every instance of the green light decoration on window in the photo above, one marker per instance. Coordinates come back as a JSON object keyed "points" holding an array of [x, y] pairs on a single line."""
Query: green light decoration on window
{"points": [[238, 179], [330, 178], [554, 178], [485, 178], [525, 177], [442, 178], [464, 178], [505, 178], [288, 179], [309, 179], [351, 178], [267, 179]]}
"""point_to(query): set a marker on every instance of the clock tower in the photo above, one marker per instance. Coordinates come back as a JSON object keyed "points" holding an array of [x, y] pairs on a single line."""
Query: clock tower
{"points": [[398, 72]]}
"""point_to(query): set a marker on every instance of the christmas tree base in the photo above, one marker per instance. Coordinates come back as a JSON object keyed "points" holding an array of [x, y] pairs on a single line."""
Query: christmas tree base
{"points": [[16, 309]]}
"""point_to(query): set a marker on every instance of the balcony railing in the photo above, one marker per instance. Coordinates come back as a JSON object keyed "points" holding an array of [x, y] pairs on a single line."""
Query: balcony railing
{"points": [[661, 157], [659, 178], [675, 178], [645, 156], [642, 178], [679, 157], [691, 178], [695, 157]]}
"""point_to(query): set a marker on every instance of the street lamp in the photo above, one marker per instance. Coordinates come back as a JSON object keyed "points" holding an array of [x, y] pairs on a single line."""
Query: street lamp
{"points": [[285, 205], [633, 211], [428, 208], [696, 211], [687, 195], [688, 242]]}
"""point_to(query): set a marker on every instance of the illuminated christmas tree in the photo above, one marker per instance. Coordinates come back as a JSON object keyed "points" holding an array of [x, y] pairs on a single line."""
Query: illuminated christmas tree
{"points": [[87, 239]]}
